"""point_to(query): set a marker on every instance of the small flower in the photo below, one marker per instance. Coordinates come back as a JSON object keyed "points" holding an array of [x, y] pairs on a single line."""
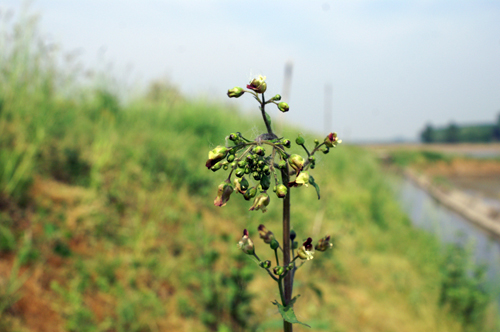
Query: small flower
{"points": [[332, 140], [305, 252], [216, 155], [235, 92], [258, 84], [324, 244], [246, 244], [224, 192], [260, 202], [265, 234], [296, 162], [278, 270], [283, 107], [302, 179]]}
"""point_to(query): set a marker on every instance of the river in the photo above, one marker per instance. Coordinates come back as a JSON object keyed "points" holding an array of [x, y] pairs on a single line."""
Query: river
{"points": [[425, 212]]}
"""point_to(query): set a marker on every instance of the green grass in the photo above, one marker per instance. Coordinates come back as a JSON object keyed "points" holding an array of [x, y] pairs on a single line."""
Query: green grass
{"points": [[110, 208]]}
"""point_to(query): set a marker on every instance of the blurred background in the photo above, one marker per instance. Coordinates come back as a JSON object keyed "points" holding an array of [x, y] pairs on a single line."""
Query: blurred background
{"points": [[109, 108]]}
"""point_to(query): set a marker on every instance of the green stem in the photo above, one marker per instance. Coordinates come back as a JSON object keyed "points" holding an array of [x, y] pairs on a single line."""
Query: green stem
{"points": [[280, 285], [276, 255], [285, 176]]}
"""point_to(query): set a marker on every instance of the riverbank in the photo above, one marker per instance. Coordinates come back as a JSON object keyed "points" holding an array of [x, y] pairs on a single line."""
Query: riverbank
{"points": [[470, 207]]}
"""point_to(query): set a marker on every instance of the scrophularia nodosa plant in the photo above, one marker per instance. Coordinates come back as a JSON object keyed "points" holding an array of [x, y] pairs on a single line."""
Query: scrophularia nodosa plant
{"points": [[261, 165]]}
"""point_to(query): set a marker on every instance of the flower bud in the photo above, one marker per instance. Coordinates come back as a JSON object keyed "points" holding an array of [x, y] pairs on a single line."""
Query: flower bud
{"points": [[250, 193], [286, 143], [296, 162], [312, 159], [224, 192], [233, 136], [293, 235], [305, 252], [276, 98], [216, 167], [216, 155], [300, 140], [274, 244], [282, 164], [235, 92], [241, 185], [326, 150], [265, 234], [259, 150], [246, 244], [265, 182], [258, 84], [260, 202], [281, 191], [230, 158], [324, 244], [295, 245], [283, 107], [278, 270], [265, 264], [332, 140], [239, 172], [289, 267]]}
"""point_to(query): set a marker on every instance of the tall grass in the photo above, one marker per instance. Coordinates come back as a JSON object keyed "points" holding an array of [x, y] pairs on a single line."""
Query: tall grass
{"points": [[125, 236]]}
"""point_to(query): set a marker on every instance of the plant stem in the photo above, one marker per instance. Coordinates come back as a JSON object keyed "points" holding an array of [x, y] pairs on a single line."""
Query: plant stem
{"points": [[263, 110], [285, 176]]}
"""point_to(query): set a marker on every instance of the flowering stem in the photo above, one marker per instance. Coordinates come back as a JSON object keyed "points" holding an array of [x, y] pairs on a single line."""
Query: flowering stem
{"points": [[285, 176], [263, 110]]}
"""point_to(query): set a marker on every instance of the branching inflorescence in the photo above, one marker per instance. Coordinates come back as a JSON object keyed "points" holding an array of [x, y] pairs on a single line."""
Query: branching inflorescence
{"points": [[266, 163]]}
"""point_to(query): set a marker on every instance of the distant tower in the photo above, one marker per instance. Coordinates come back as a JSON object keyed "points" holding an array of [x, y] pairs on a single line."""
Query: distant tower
{"points": [[285, 95]]}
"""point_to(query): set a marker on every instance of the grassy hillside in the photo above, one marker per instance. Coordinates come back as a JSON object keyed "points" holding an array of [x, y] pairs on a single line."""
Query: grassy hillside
{"points": [[107, 221]]}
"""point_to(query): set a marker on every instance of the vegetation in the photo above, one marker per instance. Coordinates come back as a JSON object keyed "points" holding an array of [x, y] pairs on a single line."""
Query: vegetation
{"points": [[107, 221], [453, 133]]}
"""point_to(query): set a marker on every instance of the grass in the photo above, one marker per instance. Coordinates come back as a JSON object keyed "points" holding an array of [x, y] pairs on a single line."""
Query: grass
{"points": [[125, 237]]}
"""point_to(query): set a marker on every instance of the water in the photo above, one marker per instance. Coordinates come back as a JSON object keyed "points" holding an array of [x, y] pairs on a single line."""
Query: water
{"points": [[425, 212]]}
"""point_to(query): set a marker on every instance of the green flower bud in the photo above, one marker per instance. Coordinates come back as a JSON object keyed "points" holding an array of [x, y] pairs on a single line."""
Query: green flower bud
{"points": [[274, 244], [326, 150], [258, 84], [282, 164], [316, 142], [283, 107], [216, 155], [242, 163], [265, 182], [312, 159], [226, 166], [293, 235], [241, 185], [286, 143], [216, 167], [296, 162], [260, 202], [276, 98], [259, 150], [235, 92], [295, 245], [246, 244], [233, 136], [278, 270], [240, 172], [265, 264], [224, 192], [281, 191], [289, 267], [230, 158], [256, 176], [247, 170], [250, 193], [300, 140]]}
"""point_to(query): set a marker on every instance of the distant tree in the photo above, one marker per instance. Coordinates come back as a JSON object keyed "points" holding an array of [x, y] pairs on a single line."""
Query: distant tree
{"points": [[496, 130], [452, 134], [427, 135]]}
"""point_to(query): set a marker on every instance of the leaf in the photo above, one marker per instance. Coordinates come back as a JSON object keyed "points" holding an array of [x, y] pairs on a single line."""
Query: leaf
{"points": [[268, 118], [311, 181], [287, 312]]}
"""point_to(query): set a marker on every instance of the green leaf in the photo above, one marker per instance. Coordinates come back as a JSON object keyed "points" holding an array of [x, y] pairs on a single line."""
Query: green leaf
{"points": [[311, 181], [287, 312], [268, 118]]}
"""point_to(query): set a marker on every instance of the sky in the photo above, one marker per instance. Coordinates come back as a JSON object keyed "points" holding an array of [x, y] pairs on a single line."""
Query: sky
{"points": [[393, 66]]}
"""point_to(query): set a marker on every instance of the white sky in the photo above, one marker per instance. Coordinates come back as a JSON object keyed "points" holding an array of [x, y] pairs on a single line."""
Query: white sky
{"points": [[393, 65]]}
